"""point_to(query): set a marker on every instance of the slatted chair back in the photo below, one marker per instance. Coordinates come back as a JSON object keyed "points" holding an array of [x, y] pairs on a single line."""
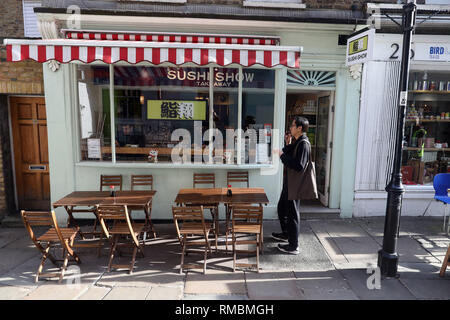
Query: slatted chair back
{"points": [[115, 213], [108, 180], [204, 178], [141, 181], [237, 176], [191, 214], [244, 213]]}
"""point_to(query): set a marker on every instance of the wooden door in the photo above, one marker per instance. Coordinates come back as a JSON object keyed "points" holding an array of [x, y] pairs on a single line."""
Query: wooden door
{"points": [[29, 125]]}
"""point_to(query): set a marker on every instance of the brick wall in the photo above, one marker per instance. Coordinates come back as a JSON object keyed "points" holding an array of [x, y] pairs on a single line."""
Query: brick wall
{"points": [[11, 18]]}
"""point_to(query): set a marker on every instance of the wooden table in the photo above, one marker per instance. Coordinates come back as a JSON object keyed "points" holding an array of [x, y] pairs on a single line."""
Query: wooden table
{"points": [[202, 196], [135, 199]]}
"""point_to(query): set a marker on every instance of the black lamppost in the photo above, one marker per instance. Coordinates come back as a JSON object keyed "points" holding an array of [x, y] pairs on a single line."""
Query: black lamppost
{"points": [[388, 256]]}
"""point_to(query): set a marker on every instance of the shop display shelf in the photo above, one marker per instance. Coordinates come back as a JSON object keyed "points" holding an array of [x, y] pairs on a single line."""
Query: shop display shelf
{"points": [[430, 91], [428, 120], [426, 149]]}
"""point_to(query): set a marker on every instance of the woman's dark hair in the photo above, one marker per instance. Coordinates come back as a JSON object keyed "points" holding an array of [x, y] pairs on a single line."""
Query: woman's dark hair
{"points": [[302, 122]]}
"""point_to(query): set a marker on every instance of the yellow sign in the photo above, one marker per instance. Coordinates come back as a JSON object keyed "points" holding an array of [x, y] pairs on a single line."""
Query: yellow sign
{"points": [[176, 110], [358, 45]]}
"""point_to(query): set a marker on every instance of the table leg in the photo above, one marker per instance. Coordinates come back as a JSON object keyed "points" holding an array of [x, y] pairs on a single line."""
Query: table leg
{"points": [[71, 221]]}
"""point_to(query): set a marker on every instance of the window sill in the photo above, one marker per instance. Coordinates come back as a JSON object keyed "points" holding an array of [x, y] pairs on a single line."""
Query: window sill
{"points": [[166, 165], [282, 5]]}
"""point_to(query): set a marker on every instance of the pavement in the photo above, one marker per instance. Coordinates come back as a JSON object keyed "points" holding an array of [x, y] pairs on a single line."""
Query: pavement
{"points": [[337, 261]]}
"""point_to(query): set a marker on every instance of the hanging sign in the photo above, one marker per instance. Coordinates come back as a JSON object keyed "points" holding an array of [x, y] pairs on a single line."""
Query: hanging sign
{"points": [[360, 47], [176, 110]]}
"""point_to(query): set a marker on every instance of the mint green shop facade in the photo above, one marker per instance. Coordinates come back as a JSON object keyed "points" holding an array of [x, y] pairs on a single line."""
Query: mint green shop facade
{"points": [[321, 52]]}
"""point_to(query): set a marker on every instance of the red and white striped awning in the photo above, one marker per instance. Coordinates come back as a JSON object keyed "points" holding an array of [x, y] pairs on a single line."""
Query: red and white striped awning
{"points": [[170, 37], [156, 53]]}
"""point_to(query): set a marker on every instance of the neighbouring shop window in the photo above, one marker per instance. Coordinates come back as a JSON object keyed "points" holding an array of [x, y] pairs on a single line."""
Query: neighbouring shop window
{"points": [[94, 120], [427, 128], [164, 114]]}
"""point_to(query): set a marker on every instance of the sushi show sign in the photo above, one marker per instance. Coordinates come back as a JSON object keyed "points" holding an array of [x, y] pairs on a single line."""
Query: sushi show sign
{"points": [[360, 47], [176, 110]]}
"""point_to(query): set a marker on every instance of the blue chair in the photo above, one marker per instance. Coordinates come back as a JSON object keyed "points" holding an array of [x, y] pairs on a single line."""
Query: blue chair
{"points": [[441, 184]]}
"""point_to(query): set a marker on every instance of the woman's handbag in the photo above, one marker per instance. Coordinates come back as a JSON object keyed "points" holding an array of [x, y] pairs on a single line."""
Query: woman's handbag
{"points": [[305, 181]]}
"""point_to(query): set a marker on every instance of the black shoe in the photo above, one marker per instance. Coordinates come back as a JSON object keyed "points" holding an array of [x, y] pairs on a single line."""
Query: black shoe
{"points": [[279, 236], [288, 249]]}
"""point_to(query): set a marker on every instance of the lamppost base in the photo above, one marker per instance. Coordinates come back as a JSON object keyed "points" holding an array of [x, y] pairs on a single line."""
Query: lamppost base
{"points": [[388, 262]]}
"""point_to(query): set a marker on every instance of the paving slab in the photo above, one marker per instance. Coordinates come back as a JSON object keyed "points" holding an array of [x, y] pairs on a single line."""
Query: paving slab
{"points": [[312, 254], [391, 289], [428, 289], [268, 285], [165, 293], [9, 236], [340, 227], [94, 293], [435, 245], [224, 282], [422, 270], [52, 291], [15, 257], [324, 285], [127, 293], [359, 251], [13, 293]]}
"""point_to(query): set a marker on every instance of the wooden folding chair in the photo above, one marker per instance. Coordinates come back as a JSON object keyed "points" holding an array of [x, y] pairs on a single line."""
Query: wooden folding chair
{"points": [[143, 181], [52, 237], [445, 263], [116, 224], [191, 231], [208, 179], [246, 220]]}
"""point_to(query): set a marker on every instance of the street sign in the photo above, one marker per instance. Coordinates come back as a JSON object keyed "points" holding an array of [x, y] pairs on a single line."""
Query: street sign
{"points": [[360, 47]]}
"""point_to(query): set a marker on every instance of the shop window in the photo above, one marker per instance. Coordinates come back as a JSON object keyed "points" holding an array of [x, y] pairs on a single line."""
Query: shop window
{"points": [[427, 129], [94, 120], [163, 114]]}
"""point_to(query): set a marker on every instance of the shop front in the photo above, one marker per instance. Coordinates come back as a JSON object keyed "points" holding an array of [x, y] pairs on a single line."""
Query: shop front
{"points": [[426, 151], [170, 104]]}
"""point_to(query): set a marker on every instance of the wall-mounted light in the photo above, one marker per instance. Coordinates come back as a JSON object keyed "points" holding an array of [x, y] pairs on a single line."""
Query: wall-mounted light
{"points": [[142, 99]]}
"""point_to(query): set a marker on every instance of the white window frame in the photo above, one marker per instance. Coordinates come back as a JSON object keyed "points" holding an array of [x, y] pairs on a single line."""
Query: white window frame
{"points": [[113, 163]]}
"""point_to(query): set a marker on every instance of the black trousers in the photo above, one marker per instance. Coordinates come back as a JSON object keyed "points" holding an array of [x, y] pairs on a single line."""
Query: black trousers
{"points": [[289, 216]]}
